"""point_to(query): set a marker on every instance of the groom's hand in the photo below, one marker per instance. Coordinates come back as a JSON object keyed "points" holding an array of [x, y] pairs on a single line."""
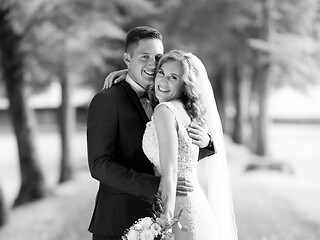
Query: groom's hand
{"points": [[114, 77], [184, 186], [198, 135]]}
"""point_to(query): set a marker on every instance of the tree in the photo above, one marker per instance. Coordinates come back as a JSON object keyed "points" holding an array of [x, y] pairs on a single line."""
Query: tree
{"points": [[252, 41], [67, 120], [32, 181], [238, 85], [285, 54], [261, 83], [85, 37], [222, 44], [3, 210], [59, 39]]}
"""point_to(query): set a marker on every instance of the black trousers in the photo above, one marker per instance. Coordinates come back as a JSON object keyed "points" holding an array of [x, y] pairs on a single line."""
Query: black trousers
{"points": [[99, 237]]}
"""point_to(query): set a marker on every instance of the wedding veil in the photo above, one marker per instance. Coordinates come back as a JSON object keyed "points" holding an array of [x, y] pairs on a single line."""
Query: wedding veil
{"points": [[213, 170]]}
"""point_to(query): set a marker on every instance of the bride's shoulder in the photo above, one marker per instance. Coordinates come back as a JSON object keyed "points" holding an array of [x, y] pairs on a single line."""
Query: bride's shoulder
{"points": [[167, 107], [173, 108], [164, 108], [172, 105], [164, 116]]}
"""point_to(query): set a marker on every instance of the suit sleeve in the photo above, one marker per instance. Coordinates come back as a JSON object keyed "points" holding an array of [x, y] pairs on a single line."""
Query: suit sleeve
{"points": [[207, 151], [102, 130]]}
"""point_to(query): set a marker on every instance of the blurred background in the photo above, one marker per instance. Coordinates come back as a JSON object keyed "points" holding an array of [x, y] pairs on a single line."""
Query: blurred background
{"points": [[263, 59]]}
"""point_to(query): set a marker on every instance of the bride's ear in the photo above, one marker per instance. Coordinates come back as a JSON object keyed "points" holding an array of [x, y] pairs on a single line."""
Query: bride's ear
{"points": [[126, 58]]}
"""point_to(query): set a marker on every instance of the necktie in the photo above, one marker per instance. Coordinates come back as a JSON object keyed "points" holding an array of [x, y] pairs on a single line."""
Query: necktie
{"points": [[144, 99]]}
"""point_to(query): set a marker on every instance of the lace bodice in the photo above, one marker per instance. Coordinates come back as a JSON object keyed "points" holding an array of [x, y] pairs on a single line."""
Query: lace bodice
{"points": [[187, 152], [194, 205], [196, 214]]}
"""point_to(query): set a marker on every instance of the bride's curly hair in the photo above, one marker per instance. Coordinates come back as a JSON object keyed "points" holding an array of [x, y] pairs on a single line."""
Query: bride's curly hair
{"points": [[191, 96]]}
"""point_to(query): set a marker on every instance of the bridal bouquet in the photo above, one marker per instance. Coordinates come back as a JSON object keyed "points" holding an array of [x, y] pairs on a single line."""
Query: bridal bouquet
{"points": [[158, 227]]}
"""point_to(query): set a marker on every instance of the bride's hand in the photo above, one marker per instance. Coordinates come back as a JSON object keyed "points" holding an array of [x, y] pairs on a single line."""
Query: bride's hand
{"points": [[184, 186], [198, 135], [114, 77]]}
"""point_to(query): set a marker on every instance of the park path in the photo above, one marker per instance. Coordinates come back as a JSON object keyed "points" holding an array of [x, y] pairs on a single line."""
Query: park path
{"points": [[269, 205], [63, 215], [263, 211]]}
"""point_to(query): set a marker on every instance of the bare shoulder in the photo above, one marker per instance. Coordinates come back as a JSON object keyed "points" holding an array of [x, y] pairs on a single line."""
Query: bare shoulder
{"points": [[165, 121], [162, 111]]}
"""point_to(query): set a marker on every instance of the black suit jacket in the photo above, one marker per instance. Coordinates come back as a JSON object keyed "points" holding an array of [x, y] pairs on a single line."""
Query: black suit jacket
{"points": [[127, 185]]}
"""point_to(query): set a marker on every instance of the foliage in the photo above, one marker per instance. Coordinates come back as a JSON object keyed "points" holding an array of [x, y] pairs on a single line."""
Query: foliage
{"points": [[214, 29], [211, 29], [294, 43], [88, 35]]}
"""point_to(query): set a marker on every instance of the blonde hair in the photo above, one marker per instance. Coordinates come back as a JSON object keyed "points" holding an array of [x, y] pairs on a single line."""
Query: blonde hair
{"points": [[191, 96]]}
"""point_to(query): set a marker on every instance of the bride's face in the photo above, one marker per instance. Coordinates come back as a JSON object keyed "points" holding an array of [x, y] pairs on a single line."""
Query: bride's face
{"points": [[169, 83]]}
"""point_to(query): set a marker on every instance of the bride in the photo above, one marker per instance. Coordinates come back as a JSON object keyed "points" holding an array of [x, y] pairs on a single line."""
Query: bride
{"points": [[185, 95]]}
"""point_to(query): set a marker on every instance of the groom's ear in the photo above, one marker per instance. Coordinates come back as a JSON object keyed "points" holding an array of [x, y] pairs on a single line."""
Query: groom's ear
{"points": [[126, 58]]}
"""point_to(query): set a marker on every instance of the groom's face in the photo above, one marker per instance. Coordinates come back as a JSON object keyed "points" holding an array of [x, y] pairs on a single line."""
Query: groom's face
{"points": [[142, 60]]}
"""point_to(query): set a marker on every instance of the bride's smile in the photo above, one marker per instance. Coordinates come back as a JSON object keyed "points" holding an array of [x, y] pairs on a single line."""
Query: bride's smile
{"points": [[169, 83], [163, 89]]}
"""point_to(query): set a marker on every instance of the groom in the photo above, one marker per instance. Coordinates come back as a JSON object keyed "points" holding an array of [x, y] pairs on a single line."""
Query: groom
{"points": [[115, 126]]}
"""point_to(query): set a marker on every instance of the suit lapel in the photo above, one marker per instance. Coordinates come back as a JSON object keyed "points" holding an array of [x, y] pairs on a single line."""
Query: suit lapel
{"points": [[134, 98]]}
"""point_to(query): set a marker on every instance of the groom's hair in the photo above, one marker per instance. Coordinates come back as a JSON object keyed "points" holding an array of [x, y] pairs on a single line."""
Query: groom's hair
{"points": [[138, 33]]}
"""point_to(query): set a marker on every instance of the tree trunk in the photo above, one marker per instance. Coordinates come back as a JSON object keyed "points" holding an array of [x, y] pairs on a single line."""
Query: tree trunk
{"points": [[219, 87], [239, 123], [3, 210], [67, 119], [262, 86], [32, 181]]}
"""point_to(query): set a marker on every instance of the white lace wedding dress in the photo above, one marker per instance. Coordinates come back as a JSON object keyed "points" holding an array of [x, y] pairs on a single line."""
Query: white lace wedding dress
{"points": [[196, 216]]}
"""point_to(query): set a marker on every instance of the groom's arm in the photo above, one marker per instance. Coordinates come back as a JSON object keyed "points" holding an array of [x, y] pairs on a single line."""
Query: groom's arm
{"points": [[115, 77], [102, 137], [202, 139], [208, 150]]}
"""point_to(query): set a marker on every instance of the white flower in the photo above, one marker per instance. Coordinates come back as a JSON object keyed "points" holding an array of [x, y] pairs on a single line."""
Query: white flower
{"points": [[148, 228], [137, 227], [147, 235], [155, 228], [132, 234], [146, 222]]}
